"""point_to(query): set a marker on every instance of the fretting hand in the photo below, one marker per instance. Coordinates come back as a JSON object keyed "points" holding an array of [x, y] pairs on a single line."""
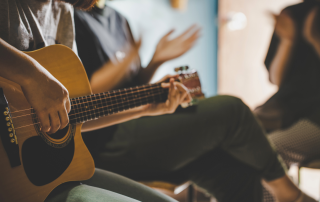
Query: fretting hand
{"points": [[178, 94], [170, 49]]}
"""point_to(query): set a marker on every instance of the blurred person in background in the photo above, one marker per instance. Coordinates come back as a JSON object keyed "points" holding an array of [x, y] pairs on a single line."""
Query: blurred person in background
{"points": [[217, 144], [292, 115]]}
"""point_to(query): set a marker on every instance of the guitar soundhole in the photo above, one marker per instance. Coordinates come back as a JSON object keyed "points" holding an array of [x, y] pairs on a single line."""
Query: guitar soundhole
{"points": [[43, 163], [60, 133]]}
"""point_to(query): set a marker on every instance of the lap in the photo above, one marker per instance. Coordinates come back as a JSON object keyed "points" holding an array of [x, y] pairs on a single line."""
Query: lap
{"points": [[164, 144], [168, 142]]}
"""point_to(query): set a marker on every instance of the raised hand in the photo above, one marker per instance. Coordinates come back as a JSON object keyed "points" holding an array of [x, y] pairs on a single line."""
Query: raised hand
{"points": [[170, 49]]}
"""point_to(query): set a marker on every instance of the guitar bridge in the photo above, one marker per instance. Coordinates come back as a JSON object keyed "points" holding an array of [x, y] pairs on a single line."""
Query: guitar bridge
{"points": [[8, 134]]}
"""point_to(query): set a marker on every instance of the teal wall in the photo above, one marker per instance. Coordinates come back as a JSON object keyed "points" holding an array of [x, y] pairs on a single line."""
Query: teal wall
{"points": [[151, 19]]}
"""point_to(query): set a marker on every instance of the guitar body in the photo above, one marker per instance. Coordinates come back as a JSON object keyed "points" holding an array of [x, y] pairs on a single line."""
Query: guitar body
{"points": [[46, 161]]}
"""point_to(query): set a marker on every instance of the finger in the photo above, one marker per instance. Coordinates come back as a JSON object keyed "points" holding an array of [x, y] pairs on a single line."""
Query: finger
{"points": [[68, 106], [194, 36], [64, 118], [168, 34], [44, 121], [167, 78], [187, 32], [183, 97], [188, 98], [54, 122], [172, 90]]}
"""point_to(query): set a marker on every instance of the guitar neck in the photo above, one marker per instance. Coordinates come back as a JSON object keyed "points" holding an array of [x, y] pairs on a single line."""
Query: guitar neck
{"points": [[98, 105]]}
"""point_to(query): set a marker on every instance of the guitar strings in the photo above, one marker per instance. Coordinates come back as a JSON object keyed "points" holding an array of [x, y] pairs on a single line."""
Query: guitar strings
{"points": [[89, 97], [134, 90], [138, 98], [89, 110], [83, 116]]}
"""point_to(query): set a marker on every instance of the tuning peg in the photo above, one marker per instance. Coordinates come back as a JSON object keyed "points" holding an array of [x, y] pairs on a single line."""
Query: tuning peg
{"points": [[182, 68]]}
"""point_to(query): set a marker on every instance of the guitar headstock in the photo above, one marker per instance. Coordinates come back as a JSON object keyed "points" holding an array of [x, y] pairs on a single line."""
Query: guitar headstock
{"points": [[192, 81]]}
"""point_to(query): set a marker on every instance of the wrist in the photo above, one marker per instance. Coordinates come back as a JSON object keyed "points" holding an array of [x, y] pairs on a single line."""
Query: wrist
{"points": [[156, 62]]}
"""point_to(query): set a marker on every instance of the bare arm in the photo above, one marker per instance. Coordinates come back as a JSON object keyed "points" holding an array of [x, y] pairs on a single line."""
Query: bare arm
{"points": [[278, 65], [286, 31], [110, 75], [45, 94]]}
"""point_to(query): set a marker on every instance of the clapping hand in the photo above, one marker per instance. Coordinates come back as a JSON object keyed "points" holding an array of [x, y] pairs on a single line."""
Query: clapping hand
{"points": [[170, 49]]}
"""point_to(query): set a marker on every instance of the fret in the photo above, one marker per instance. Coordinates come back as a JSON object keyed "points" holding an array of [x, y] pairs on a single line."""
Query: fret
{"points": [[79, 114], [86, 107], [130, 96], [90, 108], [72, 116], [102, 104], [98, 106]]}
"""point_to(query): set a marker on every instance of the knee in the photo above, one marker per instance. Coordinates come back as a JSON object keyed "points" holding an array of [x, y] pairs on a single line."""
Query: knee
{"points": [[232, 103], [233, 109]]}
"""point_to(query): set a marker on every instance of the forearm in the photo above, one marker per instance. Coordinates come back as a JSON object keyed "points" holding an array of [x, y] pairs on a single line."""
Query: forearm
{"points": [[145, 75], [114, 119], [17, 66], [106, 78], [280, 61], [111, 75]]}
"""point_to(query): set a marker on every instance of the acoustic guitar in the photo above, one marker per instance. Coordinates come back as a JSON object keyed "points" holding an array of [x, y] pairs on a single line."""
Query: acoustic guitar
{"points": [[33, 163]]}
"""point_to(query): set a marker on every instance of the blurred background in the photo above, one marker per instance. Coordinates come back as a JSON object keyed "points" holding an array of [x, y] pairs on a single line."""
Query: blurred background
{"points": [[230, 54]]}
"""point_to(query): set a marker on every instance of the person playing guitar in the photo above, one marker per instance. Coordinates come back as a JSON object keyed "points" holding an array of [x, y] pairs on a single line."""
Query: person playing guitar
{"points": [[26, 25]]}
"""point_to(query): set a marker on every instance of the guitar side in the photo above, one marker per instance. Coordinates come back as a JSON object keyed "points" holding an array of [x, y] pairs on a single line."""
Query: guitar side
{"points": [[15, 184]]}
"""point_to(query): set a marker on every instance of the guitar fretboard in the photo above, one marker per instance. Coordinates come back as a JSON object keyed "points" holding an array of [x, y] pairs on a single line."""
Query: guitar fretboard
{"points": [[98, 105]]}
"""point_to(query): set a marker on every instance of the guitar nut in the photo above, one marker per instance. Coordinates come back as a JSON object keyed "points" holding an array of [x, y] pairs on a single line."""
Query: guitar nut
{"points": [[5, 113], [7, 109], [8, 124], [12, 140], [10, 129], [7, 118], [11, 135]]}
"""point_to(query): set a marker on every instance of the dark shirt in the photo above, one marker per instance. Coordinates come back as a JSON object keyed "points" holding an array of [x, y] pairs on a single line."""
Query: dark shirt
{"points": [[100, 35], [299, 93], [103, 35]]}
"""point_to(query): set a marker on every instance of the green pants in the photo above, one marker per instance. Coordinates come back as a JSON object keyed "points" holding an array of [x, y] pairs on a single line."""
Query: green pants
{"points": [[217, 144], [105, 186]]}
